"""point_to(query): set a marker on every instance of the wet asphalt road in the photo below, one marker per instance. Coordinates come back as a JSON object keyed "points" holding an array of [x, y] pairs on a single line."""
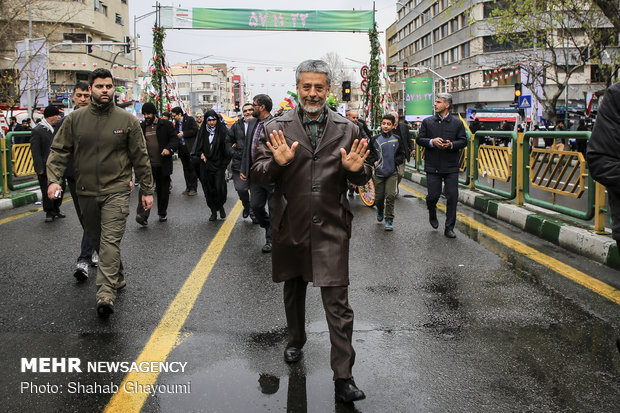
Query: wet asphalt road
{"points": [[440, 325]]}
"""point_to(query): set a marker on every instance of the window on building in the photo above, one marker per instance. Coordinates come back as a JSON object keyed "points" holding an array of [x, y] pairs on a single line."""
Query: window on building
{"points": [[436, 35], [118, 19], [455, 54], [435, 9], [445, 57], [436, 60], [444, 31], [454, 23], [465, 50]]}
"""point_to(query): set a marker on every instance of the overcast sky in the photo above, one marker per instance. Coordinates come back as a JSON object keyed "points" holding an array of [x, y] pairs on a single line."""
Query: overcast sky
{"points": [[262, 50]]}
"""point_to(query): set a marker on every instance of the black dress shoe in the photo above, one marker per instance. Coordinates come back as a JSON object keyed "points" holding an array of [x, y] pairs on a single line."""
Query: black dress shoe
{"points": [[449, 233], [432, 218], [59, 214], [246, 212], [213, 216], [49, 217], [346, 391], [292, 354], [222, 213], [267, 247], [163, 218]]}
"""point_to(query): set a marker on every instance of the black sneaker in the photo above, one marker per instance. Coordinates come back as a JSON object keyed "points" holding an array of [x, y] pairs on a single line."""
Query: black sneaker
{"points": [[163, 218], [105, 306], [81, 271], [141, 220], [267, 247], [49, 217]]}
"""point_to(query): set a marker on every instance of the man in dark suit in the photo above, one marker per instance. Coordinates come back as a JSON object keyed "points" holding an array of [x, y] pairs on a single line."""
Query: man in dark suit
{"points": [[443, 136], [235, 146], [187, 130], [40, 143], [308, 154], [161, 143]]}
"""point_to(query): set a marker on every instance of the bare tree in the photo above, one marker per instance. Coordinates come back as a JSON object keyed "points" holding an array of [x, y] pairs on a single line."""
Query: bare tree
{"points": [[563, 37], [336, 65], [47, 18]]}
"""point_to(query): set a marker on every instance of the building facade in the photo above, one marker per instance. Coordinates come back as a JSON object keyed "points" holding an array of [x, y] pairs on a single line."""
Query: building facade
{"points": [[454, 43], [65, 24], [201, 87]]}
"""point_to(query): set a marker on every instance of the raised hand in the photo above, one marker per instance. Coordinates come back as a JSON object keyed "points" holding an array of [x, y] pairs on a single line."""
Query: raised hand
{"points": [[354, 160], [282, 153]]}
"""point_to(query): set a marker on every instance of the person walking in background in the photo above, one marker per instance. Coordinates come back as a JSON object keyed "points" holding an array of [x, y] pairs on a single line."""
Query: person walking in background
{"points": [[308, 154], [443, 136], [161, 143], [103, 159], [40, 143], [199, 119], [187, 130], [88, 256], [401, 130], [211, 149], [260, 194], [386, 155], [235, 145]]}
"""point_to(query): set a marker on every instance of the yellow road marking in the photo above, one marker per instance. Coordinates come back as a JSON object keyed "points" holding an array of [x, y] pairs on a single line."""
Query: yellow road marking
{"points": [[591, 283], [163, 339], [25, 214]]}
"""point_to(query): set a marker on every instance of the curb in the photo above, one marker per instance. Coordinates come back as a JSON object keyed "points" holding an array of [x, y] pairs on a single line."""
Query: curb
{"points": [[20, 199], [600, 248]]}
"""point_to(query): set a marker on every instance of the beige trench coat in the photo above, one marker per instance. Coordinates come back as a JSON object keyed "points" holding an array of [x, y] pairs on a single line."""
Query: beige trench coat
{"points": [[311, 216]]}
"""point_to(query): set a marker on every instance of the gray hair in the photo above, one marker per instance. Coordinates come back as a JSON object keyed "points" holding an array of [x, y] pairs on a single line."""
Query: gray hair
{"points": [[446, 98], [314, 66]]}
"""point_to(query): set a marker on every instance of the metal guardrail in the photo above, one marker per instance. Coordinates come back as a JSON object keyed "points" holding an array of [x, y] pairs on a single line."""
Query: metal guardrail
{"points": [[8, 164], [563, 173], [528, 171]]}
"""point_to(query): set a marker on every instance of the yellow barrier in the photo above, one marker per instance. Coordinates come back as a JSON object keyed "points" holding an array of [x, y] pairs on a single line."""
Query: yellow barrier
{"points": [[495, 162], [22, 160], [560, 172]]}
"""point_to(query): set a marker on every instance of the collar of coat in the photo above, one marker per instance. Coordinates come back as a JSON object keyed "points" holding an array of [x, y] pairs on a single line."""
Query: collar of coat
{"points": [[100, 108], [335, 121]]}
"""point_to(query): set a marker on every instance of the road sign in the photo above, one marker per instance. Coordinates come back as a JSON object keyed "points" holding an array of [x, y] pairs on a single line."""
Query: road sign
{"points": [[525, 102]]}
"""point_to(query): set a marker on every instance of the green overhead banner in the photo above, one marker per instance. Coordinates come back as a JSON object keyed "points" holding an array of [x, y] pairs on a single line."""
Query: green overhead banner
{"points": [[418, 98], [249, 19]]}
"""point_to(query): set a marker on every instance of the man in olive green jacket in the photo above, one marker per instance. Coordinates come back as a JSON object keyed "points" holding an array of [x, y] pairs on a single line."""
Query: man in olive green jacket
{"points": [[105, 142]]}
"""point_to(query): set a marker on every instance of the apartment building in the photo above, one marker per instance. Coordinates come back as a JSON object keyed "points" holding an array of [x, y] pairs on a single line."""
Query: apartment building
{"points": [[65, 23], [453, 43], [201, 87]]}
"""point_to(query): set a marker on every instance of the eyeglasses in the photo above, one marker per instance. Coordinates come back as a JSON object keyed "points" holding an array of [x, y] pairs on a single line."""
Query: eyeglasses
{"points": [[79, 95]]}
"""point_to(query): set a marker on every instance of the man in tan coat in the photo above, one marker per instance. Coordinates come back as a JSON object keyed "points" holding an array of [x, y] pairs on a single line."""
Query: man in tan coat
{"points": [[309, 153]]}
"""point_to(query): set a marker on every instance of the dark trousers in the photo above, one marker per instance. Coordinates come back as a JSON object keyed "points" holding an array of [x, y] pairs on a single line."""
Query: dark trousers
{"points": [[50, 206], [191, 178], [214, 187], [261, 195], [162, 191], [242, 187], [86, 247], [339, 317], [451, 190]]}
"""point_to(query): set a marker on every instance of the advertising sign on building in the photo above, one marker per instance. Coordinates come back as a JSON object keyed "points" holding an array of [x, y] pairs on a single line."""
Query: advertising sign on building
{"points": [[418, 98]]}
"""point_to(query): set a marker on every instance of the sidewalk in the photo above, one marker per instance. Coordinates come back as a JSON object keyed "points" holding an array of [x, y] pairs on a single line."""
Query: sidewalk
{"points": [[547, 225], [20, 198]]}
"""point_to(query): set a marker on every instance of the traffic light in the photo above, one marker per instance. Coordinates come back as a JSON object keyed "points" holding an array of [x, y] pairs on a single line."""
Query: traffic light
{"points": [[405, 68], [346, 91], [237, 103], [89, 48], [127, 41], [518, 92]]}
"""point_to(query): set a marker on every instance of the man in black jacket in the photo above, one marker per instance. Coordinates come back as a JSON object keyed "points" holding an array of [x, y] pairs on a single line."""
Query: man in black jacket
{"points": [[161, 143], [235, 144], [187, 130], [401, 130], [604, 157], [443, 135], [40, 143]]}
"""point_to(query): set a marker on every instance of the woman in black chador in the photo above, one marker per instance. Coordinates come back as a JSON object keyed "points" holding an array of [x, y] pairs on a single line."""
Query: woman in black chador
{"points": [[211, 149]]}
